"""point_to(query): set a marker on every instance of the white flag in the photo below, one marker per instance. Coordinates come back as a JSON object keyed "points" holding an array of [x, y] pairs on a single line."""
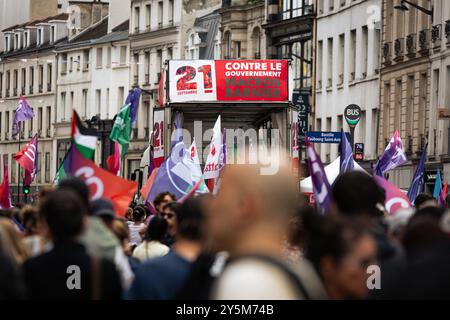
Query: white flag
{"points": [[212, 166]]}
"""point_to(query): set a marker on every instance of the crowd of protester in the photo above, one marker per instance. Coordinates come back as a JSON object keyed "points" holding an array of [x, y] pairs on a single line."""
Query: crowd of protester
{"points": [[256, 239]]}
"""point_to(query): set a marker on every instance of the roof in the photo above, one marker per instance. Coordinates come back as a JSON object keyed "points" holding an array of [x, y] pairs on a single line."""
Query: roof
{"points": [[124, 26], [87, 36], [207, 27], [112, 37], [61, 16]]}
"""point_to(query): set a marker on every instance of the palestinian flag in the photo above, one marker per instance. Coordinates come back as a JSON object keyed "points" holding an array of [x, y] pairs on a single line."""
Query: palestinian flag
{"points": [[85, 139]]}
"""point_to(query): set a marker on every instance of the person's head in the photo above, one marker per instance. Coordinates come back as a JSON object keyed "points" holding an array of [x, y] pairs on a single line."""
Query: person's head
{"points": [[11, 242], [64, 213], [170, 212], [423, 198], [77, 186], [129, 214], [120, 229], [104, 209], [156, 229], [29, 219], [252, 207], [138, 214], [341, 250], [43, 192], [191, 218], [357, 194], [397, 223], [162, 199], [424, 231]]}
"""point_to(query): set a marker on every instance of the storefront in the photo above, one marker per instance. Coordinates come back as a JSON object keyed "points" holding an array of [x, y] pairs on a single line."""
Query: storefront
{"points": [[251, 96]]}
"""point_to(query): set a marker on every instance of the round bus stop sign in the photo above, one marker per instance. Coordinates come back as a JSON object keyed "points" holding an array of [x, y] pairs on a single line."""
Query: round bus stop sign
{"points": [[352, 115]]}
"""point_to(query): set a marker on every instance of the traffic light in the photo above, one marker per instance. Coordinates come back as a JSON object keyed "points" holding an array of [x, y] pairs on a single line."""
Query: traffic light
{"points": [[26, 190]]}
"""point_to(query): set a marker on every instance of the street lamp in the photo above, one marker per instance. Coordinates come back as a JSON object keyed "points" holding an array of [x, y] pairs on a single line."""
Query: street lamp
{"points": [[402, 6]]}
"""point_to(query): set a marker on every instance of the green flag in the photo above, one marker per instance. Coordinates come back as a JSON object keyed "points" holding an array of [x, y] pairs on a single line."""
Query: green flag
{"points": [[121, 131]]}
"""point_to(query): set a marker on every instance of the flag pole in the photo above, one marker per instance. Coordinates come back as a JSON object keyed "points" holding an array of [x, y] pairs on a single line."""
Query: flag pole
{"points": [[18, 176]]}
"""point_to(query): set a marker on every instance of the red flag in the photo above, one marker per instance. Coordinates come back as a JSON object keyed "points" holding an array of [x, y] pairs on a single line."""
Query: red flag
{"points": [[27, 156], [5, 196], [148, 185], [161, 89], [113, 161], [103, 184], [443, 195]]}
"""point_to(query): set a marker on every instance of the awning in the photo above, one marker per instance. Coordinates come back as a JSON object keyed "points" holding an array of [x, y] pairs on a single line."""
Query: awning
{"points": [[332, 171]]}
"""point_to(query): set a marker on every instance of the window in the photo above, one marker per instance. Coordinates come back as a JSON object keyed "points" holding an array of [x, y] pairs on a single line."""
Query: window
{"points": [[1, 87], [47, 167], [13, 169], [1, 126], [86, 60], [237, 49], [39, 120], [256, 44], [330, 62], [63, 62], [398, 103], [26, 37], [17, 44], [169, 53], [147, 67], [71, 100], [38, 170], [120, 97], [63, 106], [52, 34], [23, 81], [107, 102], [364, 49], [148, 15], [136, 19], [170, 4], [98, 100], [6, 125], [49, 77], [227, 45], [386, 110], [352, 54], [39, 37], [71, 64], [7, 43], [49, 121], [108, 57], [341, 66], [123, 55], [31, 80], [99, 57], [16, 81], [136, 69], [160, 14], [41, 78], [423, 105], [85, 102]]}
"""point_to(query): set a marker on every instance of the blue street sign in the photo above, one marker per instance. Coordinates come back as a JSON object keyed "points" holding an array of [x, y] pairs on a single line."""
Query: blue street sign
{"points": [[325, 137]]}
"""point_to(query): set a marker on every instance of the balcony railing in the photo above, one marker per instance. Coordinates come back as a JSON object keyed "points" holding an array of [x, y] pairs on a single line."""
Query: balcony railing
{"points": [[6, 135], [147, 78], [22, 91], [135, 80], [49, 87], [48, 133], [135, 133], [6, 93], [30, 133], [41, 89], [303, 9], [31, 89], [15, 92]]}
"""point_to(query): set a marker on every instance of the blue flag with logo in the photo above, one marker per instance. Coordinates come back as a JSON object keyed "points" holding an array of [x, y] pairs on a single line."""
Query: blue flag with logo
{"points": [[437, 185], [418, 180], [346, 159], [133, 100], [175, 175]]}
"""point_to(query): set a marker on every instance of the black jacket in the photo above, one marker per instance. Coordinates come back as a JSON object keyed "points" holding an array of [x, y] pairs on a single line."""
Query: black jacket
{"points": [[50, 275]]}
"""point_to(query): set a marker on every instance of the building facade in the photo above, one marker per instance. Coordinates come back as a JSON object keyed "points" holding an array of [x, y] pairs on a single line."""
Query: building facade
{"points": [[439, 148], [347, 71], [93, 75], [405, 84], [28, 68]]}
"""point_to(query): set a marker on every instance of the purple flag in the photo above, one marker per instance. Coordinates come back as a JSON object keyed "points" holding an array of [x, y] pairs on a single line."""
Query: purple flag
{"points": [[418, 180], [174, 175], [346, 158], [23, 112], [321, 186], [393, 157], [133, 99]]}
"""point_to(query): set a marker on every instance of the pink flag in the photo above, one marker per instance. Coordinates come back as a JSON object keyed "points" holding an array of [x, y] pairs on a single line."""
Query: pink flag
{"points": [[395, 198], [5, 196]]}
